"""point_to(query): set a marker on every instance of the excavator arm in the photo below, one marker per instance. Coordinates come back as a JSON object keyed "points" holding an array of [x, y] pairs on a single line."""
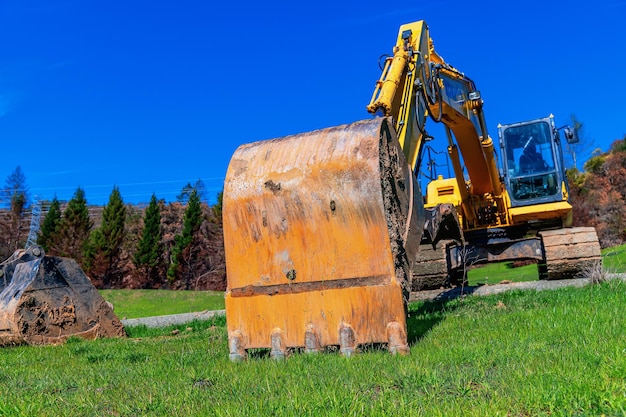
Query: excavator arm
{"points": [[417, 83]]}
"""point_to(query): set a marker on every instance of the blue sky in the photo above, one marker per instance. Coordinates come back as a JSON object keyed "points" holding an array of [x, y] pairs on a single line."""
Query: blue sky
{"points": [[150, 95]]}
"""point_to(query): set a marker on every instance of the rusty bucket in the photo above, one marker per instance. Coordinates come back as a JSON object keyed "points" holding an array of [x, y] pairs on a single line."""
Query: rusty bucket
{"points": [[320, 229]]}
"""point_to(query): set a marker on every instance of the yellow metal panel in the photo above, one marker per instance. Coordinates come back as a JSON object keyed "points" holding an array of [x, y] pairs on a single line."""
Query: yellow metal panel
{"points": [[540, 212], [443, 191]]}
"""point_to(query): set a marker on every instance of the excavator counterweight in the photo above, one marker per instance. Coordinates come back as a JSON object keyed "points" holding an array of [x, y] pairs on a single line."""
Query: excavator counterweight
{"points": [[319, 231]]}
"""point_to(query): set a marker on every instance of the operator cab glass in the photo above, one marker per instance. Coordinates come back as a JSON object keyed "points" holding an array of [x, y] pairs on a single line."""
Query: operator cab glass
{"points": [[530, 162]]}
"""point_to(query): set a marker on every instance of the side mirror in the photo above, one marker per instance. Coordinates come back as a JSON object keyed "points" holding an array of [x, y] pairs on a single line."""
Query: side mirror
{"points": [[571, 135]]}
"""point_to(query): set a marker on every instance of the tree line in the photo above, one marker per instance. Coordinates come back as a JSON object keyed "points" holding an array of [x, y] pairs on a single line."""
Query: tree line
{"points": [[180, 244], [176, 245], [598, 194]]}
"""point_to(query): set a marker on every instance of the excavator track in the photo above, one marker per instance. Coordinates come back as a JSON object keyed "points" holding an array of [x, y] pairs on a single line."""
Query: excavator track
{"points": [[430, 270], [569, 253]]}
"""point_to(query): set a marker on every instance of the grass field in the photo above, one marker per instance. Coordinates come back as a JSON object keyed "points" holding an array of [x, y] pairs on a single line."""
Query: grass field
{"points": [[145, 303], [613, 260], [550, 353]]}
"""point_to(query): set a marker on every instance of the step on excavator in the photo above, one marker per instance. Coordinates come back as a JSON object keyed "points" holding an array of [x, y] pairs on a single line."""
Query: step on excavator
{"points": [[47, 299], [327, 232]]}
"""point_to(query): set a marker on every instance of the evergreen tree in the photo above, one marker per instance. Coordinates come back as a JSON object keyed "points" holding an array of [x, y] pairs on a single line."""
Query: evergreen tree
{"points": [[148, 253], [187, 189], [200, 189], [50, 224], [105, 243], [182, 253], [185, 192], [73, 228], [217, 208], [15, 198], [15, 189]]}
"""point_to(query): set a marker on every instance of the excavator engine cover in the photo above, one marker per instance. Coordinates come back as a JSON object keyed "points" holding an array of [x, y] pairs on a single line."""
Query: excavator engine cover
{"points": [[320, 230], [46, 299]]}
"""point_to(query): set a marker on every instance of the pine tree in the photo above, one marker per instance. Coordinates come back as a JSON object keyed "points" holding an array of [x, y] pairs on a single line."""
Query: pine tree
{"points": [[105, 243], [15, 198], [185, 192], [201, 190], [182, 253], [73, 228], [50, 224], [217, 208], [148, 253]]}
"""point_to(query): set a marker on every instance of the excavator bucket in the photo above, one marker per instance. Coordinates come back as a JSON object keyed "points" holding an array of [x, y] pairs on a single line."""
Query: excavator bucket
{"points": [[320, 230], [46, 299]]}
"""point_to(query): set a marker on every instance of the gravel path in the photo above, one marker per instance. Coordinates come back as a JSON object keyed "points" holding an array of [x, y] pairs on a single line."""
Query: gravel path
{"points": [[446, 294], [162, 321]]}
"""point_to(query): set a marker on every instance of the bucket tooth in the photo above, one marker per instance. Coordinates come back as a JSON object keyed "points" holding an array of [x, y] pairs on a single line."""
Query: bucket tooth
{"points": [[311, 340], [396, 339], [235, 345], [278, 351], [347, 340]]}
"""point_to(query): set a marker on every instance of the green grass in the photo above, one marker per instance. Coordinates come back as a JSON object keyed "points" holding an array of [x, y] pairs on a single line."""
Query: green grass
{"points": [[495, 273], [146, 303], [613, 260], [550, 353]]}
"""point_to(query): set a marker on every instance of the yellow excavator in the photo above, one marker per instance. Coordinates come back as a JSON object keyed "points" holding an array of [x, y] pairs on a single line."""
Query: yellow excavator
{"points": [[327, 232]]}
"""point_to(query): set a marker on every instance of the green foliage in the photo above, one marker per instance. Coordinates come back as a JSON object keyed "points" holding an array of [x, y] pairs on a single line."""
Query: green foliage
{"points": [[595, 164], [148, 252], [191, 223], [113, 219], [575, 177], [15, 189], [619, 145], [13, 227], [105, 243], [217, 208], [74, 228], [184, 193], [187, 189], [548, 353], [50, 224]]}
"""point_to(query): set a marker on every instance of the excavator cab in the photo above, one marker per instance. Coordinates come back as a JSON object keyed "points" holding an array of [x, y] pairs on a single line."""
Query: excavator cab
{"points": [[533, 163]]}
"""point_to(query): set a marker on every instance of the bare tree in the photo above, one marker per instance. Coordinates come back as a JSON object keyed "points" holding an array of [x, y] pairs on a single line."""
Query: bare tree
{"points": [[573, 151]]}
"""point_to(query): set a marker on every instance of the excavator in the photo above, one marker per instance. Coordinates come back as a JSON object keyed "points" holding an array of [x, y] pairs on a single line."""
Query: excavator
{"points": [[326, 233]]}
